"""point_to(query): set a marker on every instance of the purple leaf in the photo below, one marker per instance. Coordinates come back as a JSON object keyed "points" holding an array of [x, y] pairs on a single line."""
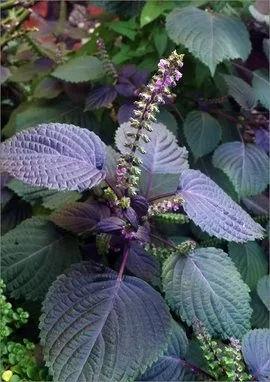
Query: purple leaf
{"points": [[100, 97], [80, 217], [131, 216], [112, 224], [262, 139], [140, 205], [125, 113], [163, 155], [97, 326], [54, 155], [143, 265], [214, 211], [258, 204]]}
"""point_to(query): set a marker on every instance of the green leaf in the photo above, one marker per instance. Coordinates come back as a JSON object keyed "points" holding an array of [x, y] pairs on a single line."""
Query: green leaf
{"points": [[261, 86], [97, 326], [152, 10], [33, 255], [211, 37], [202, 131], [206, 286], [48, 87], [80, 69], [246, 165], [160, 41], [263, 290], [241, 91], [250, 262], [125, 28], [260, 314]]}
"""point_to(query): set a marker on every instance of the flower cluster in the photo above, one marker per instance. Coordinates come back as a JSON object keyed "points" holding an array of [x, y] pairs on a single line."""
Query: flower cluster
{"points": [[154, 94], [104, 57], [167, 205]]}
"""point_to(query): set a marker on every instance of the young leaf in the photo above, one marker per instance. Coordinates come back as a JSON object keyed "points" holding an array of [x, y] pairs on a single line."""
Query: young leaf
{"points": [[171, 365], [205, 286], [163, 155], [241, 91], [256, 352], [143, 264], [263, 290], [250, 262], [57, 156], [245, 164], [260, 84], [211, 37], [214, 211], [202, 131], [80, 217], [33, 255], [97, 326], [80, 69]]}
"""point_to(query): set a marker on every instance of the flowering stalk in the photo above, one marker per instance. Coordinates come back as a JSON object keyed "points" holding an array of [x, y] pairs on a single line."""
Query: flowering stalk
{"points": [[104, 57], [146, 108]]}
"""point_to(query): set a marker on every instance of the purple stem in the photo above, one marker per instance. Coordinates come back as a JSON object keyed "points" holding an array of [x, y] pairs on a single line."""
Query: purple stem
{"points": [[124, 261]]}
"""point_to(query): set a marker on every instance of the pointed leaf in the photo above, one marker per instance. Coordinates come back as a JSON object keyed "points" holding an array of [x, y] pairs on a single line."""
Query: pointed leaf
{"points": [[205, 286], [211, 37], [57, 156], [80, 217], [241, 91], [80, 69], [202, 131], [214, 211], [98, 327], [245, 164], [261, 84], [163, 155], [256, 352], [171, 365], [33, 255], [250, 262], [263, 290]]}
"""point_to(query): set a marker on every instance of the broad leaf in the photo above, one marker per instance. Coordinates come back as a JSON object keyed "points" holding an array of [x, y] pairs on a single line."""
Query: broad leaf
{"points": [[56, 156], [250, 262], [163, 155], [171, 365], [97, 326], [80, 69], [152, 10], [143, 265], [202, 131], [211, 37], [80, 217], [260, 314], [214, 211], [256, 352], [50, 199], [33, 255], [241, 91], [245, 164], [261, 84], [205, 286], [102, 96], [263, 290]]}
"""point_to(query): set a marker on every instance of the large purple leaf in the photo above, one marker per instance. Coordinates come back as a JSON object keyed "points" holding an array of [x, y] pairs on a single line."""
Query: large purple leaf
{"points": [[214, 211], [80, 217], [97, 326], [163, 156], [54, 155]]}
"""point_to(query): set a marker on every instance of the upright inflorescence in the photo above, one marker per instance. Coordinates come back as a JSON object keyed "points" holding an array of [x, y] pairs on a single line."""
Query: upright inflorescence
{"points": [[154, 94], [106, 61]]}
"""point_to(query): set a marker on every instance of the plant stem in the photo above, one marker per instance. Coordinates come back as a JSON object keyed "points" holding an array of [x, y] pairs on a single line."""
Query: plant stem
{"points": [[124, 261]]}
